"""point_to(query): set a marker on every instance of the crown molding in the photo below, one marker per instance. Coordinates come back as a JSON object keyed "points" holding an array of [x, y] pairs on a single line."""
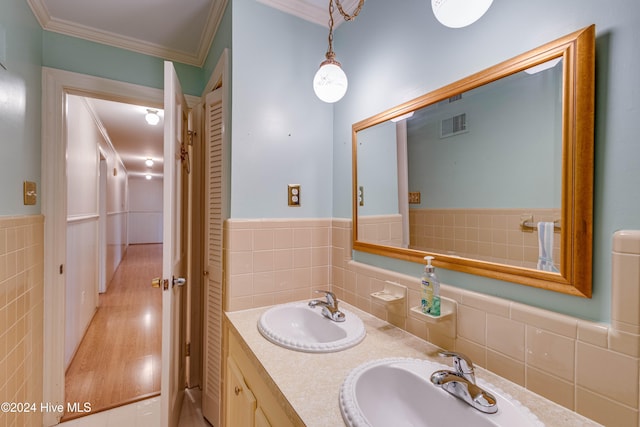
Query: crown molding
{"points": [[129, 43], [40, 11]]}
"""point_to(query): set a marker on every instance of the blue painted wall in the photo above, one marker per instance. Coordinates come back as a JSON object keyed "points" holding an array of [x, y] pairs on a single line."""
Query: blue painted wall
{"points": [[221, 41], [378, 169], [282, 133], [95, 59], [27, 48], [395, 51], [392, 52], [20, 106], [509, 157]]}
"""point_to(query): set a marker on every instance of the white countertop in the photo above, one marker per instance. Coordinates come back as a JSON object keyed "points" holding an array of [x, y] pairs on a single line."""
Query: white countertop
{"points": [[310, 382]]}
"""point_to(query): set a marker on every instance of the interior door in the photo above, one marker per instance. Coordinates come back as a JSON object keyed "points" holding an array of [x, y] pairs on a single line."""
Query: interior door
{"points": [[214, 190], [174, 249]]}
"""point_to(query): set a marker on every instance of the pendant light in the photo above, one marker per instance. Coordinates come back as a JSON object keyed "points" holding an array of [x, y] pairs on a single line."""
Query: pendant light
{"points": [[330, 82], [459, 13]]}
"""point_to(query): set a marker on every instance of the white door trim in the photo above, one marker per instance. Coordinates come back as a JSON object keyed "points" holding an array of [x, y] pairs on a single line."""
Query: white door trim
{"points": [[56, 85]]}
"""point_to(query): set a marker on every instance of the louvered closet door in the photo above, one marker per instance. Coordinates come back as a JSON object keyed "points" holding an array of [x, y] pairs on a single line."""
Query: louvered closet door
{"points": [[212, 396]]}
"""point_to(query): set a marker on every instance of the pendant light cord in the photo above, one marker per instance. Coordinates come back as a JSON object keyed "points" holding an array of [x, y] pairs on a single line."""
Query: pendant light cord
{"points": [[347, 17], [344, 14]]}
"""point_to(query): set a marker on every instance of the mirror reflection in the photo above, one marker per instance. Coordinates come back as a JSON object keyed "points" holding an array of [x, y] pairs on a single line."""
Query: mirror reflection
{"points": [[492, 174], [472, 175]]}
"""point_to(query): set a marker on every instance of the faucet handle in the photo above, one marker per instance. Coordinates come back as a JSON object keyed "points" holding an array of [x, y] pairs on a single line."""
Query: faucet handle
{"points": [[461, 363], [331, 297]]}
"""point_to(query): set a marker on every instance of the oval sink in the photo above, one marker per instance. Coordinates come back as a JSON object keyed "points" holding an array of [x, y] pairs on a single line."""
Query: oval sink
{"points": [[399, 392], [299, 327]]}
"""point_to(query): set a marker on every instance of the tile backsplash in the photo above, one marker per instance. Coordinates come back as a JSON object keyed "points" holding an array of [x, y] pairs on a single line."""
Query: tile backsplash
{"points": [[588, 367], [21, 314], [565, 359], [274, 261], [381, 229]]}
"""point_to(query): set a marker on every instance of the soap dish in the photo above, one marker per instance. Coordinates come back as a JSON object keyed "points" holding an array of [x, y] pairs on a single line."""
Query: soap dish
{"points": [[387, 297], [447, 311], [394, 297], [392, 292]]}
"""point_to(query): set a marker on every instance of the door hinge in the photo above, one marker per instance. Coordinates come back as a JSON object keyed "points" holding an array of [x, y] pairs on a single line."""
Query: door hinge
{"points": [[188, 349]]}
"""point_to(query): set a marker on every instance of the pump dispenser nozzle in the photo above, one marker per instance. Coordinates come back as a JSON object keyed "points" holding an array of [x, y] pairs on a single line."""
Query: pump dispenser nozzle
{"points": [[429, 268]]}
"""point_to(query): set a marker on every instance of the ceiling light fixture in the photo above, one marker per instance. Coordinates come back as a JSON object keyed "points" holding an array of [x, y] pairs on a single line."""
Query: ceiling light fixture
{"points": [[459, 13], [330, 82], [152, 117], [148, 176], [148, 162]]}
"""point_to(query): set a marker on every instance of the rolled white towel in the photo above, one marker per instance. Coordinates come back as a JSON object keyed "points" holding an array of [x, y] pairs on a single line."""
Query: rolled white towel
{"points": [[545, 247]]}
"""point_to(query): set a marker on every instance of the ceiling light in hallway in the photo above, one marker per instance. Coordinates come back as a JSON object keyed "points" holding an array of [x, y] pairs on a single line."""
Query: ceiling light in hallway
{"points": [[152, 117]]}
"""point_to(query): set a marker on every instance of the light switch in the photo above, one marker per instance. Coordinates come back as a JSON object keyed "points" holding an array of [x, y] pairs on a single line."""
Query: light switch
{"points": [[414, 197], [29, 192]]}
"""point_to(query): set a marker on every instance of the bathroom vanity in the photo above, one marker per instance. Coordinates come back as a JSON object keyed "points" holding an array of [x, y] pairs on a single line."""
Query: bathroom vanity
{"points": [[270, 385], [250, 399]]}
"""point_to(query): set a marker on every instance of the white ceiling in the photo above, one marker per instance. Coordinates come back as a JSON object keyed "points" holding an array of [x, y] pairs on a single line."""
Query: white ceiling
{"points": [[132, 137], [177, 30]]}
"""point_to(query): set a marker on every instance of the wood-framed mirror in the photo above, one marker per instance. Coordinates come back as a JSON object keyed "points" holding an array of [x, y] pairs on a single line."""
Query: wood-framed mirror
{"points": [[469, 172]]}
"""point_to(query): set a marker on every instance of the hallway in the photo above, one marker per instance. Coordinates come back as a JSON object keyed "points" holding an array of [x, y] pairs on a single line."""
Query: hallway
{"points": [[119, 359]]}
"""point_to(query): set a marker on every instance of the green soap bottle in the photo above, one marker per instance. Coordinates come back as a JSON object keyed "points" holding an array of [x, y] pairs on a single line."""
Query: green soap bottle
{"points": [[430, 289]]}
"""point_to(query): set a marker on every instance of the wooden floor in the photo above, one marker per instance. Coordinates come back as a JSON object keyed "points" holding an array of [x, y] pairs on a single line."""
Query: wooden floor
{"points": [[119, 358]]}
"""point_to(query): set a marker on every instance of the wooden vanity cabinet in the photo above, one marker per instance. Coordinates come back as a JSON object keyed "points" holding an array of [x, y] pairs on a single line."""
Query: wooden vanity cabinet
{"points": [[248, 400], [241, 403]]}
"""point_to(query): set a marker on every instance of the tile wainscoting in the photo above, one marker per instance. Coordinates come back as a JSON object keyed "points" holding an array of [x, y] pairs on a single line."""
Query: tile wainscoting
{"points": [[273, 261], [493, 235], [381, 229], [21, 314], [559, 357]]}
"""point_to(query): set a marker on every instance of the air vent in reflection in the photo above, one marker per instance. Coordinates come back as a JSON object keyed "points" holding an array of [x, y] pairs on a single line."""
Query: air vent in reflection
{"points": [[453, 125]]}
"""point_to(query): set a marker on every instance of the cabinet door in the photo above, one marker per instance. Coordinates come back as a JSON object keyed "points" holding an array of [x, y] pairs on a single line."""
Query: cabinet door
{"points": [[241, 404]]}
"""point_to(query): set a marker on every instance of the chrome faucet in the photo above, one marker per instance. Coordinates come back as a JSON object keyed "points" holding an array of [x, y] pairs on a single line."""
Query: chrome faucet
{"points": [[461, 383], [329, 307]]}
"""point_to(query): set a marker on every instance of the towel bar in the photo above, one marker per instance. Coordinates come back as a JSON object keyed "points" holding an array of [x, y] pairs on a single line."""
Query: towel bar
{"points": [[529, 225]]}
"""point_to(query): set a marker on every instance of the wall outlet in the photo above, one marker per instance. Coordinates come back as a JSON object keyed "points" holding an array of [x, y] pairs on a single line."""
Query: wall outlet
{"points": [[361, 195], [414, 197], [294, 194]]}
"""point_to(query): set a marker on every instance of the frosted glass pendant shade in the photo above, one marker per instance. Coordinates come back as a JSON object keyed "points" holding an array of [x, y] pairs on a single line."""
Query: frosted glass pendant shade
{"points": [[459, 13], [330, 82], [152, 117]]}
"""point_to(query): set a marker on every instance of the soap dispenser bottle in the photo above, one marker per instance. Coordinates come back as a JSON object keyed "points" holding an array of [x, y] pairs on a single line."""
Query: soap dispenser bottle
{"points": [[430, 289]]}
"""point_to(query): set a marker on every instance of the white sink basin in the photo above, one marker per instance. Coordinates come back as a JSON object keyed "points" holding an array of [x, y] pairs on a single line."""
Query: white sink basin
{"points": [[398, 392], [299, 327]]}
